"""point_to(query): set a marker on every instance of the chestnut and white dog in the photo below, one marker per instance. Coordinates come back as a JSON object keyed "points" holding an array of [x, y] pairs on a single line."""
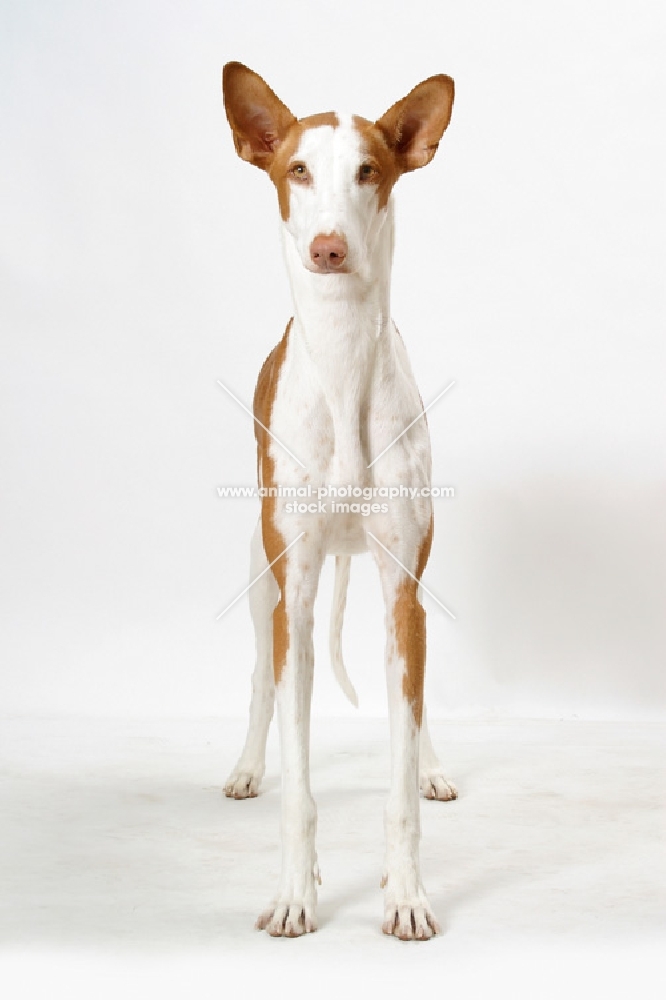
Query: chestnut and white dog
{"points": [[331, 400]]}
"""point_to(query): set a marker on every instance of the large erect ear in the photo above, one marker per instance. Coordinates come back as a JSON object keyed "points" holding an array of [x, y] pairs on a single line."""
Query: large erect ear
{"points": [[414, 126], [258, 119]]}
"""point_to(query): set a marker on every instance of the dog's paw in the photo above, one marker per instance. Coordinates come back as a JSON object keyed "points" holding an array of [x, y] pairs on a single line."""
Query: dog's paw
{"points": [[243, 783], [410, 923], [410, 919], [434, 785], [288, 919], [294, 912], [407, 912]]}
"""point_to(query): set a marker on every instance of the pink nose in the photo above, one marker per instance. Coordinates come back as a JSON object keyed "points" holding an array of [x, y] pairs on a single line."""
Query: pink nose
{"points": [[328, 253]]}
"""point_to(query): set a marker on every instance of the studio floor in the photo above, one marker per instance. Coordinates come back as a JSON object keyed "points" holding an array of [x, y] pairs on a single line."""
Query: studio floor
{"points": [[119, 851]]}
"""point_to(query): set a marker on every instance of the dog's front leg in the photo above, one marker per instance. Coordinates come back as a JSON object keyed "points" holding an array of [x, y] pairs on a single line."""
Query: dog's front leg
{"points": [[293, 911], [407, 912]]}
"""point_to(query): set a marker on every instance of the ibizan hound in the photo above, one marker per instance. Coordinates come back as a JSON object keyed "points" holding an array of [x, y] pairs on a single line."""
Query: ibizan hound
{"points": [[331, 398]]}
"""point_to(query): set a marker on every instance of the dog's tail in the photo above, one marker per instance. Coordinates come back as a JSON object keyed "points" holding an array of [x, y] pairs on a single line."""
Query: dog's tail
{"points": [[342, 564]]}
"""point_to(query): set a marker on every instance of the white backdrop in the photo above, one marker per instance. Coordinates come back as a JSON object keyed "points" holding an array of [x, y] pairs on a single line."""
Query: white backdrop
{"points": [[140, 262]]}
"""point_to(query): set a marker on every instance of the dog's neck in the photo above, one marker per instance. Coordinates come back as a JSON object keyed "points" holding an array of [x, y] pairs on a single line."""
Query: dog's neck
{"points": [[341, 323], [343, 304]]}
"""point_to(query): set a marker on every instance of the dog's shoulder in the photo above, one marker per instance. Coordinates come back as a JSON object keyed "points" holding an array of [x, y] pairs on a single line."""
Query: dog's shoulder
{"points": [[264, 393]]}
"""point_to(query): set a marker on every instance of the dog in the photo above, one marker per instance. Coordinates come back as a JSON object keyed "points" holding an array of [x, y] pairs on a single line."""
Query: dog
{"points": [[331, 406]]}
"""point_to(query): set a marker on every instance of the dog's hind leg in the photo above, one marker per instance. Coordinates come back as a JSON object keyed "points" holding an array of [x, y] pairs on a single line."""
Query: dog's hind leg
{"points": [[244, 780], [432, 782]]}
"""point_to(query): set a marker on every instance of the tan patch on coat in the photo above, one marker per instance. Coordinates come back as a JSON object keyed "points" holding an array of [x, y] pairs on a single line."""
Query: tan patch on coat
{"points": [[274, 542], [286, 154], [376, 151], [409, 622]]}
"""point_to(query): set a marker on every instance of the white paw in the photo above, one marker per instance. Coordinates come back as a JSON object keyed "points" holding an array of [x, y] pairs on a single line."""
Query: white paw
{"points": [[294, 911], [408, 916], [434, 785], [288, 919], [243, 783]]}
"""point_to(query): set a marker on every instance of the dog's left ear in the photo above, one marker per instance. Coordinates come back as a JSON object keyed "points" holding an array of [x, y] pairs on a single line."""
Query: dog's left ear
{"points": [[258, 118], [413, 127]]}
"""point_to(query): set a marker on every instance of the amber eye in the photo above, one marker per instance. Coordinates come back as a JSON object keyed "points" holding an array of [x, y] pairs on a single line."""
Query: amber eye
{"points": [[299, 172], [366, 172]]}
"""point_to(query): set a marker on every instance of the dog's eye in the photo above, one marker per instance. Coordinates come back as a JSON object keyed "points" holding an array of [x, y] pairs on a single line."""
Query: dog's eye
{"points": [[300, 172], [366, 172]]}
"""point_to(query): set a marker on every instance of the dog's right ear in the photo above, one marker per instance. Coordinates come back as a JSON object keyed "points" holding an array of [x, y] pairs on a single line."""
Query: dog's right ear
{"points": [[259, 120]]}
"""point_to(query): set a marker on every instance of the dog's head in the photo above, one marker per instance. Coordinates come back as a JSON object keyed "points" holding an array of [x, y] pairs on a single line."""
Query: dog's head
{"points": [[334, 174]]}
